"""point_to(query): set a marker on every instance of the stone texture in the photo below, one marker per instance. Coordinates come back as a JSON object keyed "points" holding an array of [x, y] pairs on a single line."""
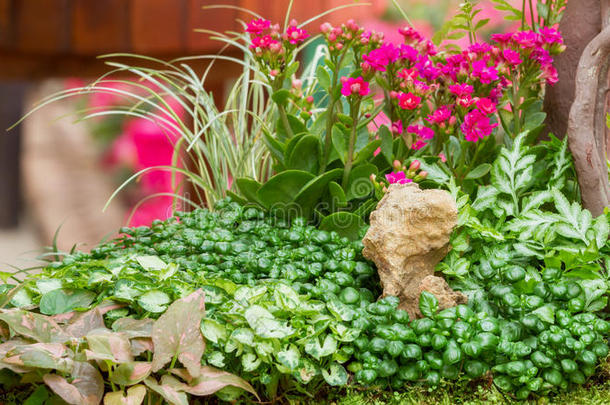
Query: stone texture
{"points": [[408, 236], [446, 297]]}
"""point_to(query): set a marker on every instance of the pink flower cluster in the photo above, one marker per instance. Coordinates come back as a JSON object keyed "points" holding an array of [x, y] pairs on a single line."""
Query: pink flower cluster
{"points": [[266, 37], [354, 86], [349, 34], [399, 177], [536, 47], [460, 90]]}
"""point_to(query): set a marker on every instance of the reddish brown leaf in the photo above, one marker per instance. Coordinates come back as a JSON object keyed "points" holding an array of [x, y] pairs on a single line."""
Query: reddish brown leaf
{"points": [[177, 333], [41, 328], [107, 345], [85, 322], [134, 328], [168, 389], [54, 356], [141, 345], [131, 373], [87, 387], [135, 396], [210, 381]]}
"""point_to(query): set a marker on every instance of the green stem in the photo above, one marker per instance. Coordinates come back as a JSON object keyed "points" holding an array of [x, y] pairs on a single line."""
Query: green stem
{"points": [[516, 107], [285, 122], [523, 11], [532, 16], [355, 110], [173, 363], [331, 111]]}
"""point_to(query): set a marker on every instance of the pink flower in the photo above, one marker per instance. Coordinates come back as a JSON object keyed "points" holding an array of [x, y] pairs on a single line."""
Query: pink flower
{"points": [[427, 69], [417, 145], [479, 47], [397, 177], [410, 35], [379, 58], [354, 86], [295, 35], [263, 42], [440, 115], [397, 127], [377, 151], [502, 39], [464, 101], [512, 57], [551, 36], [486, 74], [408, 101], [461, 89], [258, 26], [486, 105], [526, 39], [476, 126], [421, 131], [443, 157], [550, 74]]}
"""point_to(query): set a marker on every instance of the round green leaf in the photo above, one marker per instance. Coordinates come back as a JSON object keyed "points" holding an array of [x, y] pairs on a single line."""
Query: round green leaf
{"points": [[281, 189], [65, 300], [344, 223], [305, 155], [479, 171], [154, 301]]}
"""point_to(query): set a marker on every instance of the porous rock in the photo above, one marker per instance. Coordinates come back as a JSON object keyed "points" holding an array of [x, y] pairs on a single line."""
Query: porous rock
{"points": [[408, 236]]}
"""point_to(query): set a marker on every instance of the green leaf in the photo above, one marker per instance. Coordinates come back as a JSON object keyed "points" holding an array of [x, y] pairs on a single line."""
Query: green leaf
{"points": [[176, 334], [344, 223], [151, 263], [546, 313], [265, 324], [209, 381], [317, 351], [154, 301], [338, 195], [305, 155], [46, 285], [281, 189], [339, 139], [281, 96], [386, 143], [340, 310], [296, 125], [323, 77], [65, 300], [428, 304], [214, 330], [170, 389], [336, 376], [289, 357], [365, 153], [248, 188], [479, 171], [38, 397], [359, 184], [310, 194]]}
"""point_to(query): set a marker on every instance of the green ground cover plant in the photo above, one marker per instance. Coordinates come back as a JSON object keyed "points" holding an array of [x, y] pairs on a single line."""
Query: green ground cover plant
{"points": [[293, 311]]}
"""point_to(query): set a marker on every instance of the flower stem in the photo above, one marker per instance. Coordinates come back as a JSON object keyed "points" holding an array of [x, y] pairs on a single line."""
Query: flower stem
{"points": [[523, 11], [331, 111], [355, 110], [515, 108]]}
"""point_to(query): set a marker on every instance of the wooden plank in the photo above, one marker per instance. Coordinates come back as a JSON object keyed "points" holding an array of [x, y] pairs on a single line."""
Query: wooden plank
{"points": [[6, 26], [42, 26], [100, 26], [11, 109], [218, 20], [158, 26]]}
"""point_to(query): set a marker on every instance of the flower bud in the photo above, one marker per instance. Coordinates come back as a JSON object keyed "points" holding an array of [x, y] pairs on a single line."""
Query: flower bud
{"points": [[397, 165], [297, 84], [415, 165], [373, 177], [274, 72], [326, 27], [309, 99]]}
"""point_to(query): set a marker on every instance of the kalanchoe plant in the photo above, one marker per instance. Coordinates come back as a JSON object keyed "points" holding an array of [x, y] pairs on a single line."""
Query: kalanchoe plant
{"points": [[451, 108]]}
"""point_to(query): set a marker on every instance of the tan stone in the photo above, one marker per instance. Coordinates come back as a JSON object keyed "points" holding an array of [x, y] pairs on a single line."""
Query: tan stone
{"points": [[438, 287], [408, 236]]}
